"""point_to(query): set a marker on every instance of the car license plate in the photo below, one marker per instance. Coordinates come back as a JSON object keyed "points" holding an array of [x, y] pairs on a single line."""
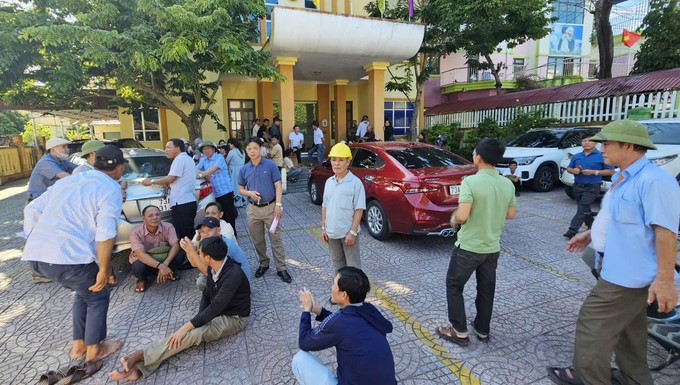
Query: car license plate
{"points": [[162, 203], [454, 190]]}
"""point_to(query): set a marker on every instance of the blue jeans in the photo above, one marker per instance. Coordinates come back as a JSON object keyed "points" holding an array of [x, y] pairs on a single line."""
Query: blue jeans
{"points": [[89, 308], [309, 371], [318, 148]]}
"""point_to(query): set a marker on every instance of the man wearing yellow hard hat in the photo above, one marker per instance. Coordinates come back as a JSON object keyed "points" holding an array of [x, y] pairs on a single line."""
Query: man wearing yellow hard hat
{"points": [[344, 202]]}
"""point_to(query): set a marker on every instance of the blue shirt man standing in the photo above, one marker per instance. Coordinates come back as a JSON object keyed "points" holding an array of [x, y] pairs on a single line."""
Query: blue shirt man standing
{"points": [[213, 167], [639, 222], [588, 168]]}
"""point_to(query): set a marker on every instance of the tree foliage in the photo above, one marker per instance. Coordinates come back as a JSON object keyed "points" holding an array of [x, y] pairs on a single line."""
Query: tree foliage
{"points": [[170, 54], [40, 129], [425, 62], [452, 132], [478, 27], [661, 29], [12, 122]]}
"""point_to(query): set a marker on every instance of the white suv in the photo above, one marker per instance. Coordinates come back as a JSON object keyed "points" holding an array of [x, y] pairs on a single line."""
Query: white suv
{"points": [[664, 133], [538, 153]]}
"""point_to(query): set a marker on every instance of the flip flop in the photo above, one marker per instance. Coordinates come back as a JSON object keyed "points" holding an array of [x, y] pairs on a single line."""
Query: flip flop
{"points": [[113, 280], [560, 376], [53, 376], [79, 373], [140, 286]]}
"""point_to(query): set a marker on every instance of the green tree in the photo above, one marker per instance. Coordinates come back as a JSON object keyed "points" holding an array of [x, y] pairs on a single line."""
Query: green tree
{"points": [[478, 27], [12, 122], [661, 29], [40, 129], [170, 54], [452, 132], [487, 128], [424, 63]]}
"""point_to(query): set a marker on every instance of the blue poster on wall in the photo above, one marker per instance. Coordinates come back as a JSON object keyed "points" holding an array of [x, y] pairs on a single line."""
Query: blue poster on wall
{"points": [[566, 39]]}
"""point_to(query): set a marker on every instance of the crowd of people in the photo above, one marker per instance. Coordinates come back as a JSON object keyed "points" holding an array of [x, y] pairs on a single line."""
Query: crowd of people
{"points": [[635, 230]]}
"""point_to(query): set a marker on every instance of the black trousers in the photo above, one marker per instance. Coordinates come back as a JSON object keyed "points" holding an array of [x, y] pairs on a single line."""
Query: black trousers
{"points": [[463, 263], [183, 219], [229, 212], [585, 195]]}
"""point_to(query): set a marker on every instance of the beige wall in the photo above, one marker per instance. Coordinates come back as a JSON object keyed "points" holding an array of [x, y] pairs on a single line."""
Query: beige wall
{"points": [[101, 130]]}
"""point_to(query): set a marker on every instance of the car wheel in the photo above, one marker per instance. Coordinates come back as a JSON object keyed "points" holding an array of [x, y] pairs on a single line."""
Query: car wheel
{"points": [[544, 179], [376, 221], [569, 190], [314, 194]]}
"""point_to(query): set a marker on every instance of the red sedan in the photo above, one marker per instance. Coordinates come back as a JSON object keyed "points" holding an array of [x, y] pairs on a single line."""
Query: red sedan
{"points": [[411, 188]]}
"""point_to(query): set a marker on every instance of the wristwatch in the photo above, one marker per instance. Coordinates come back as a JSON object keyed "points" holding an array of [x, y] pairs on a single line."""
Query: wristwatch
{"points": [[354, 233], [200, 175], [597, 172], [153, 181], [279, 204]]}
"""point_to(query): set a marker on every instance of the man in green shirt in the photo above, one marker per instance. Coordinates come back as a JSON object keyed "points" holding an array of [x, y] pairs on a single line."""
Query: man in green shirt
{"points": [[486, 200]]}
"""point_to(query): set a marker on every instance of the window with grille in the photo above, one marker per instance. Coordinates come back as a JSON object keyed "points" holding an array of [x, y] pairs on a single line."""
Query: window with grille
{"points": [[145, 124], [400, 115]]}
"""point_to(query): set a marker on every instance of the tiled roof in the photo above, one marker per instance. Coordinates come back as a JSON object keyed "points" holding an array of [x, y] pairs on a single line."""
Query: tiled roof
{"points": [[652, 81]]}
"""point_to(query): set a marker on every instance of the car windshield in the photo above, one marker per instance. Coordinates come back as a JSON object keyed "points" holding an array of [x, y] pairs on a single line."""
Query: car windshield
{"points": [[425, 157], [146, 167], [664, 133], [537, 139]]}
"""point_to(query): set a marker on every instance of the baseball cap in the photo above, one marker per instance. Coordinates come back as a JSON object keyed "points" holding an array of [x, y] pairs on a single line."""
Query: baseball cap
{"points": [[91, 146], [625, 131], [210, 222], [109, 156], [54, 142]]}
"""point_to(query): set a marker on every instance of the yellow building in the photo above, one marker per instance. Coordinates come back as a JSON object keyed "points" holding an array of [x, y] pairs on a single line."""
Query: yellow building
{"points": [[336, 61]]}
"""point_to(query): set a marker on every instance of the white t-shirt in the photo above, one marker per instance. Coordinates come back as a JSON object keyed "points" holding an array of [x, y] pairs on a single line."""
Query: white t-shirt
{"points": [[318, 136], [507, 172], [256, 128], [361, 130], [296, 139], [288, 163], [182, 188], [599, 229]]}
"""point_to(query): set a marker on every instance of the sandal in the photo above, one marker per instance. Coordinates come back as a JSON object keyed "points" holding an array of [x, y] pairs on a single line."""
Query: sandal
{"points": [[140, 286], [79, 373], [53, 376], [449, 334], [561, 376], [113, 280]]}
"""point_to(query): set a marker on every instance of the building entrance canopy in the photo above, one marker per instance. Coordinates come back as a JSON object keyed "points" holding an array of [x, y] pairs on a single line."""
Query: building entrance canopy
{"points": [[331, 46]]}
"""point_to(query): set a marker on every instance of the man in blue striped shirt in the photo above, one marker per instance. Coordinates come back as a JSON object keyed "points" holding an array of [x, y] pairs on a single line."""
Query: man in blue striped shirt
{"points": [[213, 168], [71, 230]]}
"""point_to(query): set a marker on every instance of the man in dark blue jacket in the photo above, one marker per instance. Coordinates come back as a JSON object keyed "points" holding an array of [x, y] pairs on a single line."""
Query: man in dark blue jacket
{"points": [[358, 332]]}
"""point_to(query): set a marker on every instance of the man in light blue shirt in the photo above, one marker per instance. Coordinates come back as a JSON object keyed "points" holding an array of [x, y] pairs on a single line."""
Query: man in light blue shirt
{"points": [[71, 230], [213, 168], [639, 223], [53, 166], [344, 202]]}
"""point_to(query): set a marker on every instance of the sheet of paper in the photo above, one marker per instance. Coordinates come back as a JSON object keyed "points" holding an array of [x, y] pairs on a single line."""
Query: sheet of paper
{"points": [[275, 223]]}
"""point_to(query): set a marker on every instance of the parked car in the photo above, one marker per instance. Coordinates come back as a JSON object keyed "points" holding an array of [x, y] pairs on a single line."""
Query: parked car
{"points": [[664, 133], [538, 153], [76, 145], [411, 188], [149, 163]]}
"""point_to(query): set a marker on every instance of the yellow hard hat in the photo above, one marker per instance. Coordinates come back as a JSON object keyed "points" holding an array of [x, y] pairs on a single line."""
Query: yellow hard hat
{"points": [[340, 150]]}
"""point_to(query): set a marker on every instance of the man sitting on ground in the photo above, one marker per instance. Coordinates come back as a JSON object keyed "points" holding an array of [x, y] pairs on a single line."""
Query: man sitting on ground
{"points": [[512, 174], [358, 332], [292, 172], [155, 250], [210, 227], [224, 311]]}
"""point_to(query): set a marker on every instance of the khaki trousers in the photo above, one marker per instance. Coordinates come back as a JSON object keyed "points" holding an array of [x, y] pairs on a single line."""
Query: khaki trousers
{"points": [[343, 255], [259, 221], [613, 318], [219, 327]]}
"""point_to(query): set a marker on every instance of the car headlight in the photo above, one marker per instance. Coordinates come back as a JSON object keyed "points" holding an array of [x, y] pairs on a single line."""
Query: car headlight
{"points": [[664, 160], [525, 160]]}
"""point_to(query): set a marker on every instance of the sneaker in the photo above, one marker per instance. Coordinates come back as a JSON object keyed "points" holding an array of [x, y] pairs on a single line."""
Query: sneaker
{"points": [[449, 333], [40, 279], [480, 336]]}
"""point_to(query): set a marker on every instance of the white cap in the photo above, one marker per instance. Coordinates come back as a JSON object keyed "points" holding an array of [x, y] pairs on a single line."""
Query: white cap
{"points": [[54, 142]]}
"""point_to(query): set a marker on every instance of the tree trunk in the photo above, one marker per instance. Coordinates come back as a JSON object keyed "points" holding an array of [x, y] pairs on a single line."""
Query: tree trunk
{"points": [[605, 38], [495, 71], [416, 113], [193, 125]]}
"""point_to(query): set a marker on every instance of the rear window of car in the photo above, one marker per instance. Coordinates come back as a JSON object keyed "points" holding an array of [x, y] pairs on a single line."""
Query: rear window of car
{"points": [[537, 139], [146, 167], [664, 133], [425, 157]]}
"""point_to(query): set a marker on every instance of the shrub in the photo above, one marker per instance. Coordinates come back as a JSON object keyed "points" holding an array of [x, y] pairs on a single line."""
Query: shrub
{"points": [[452, 132]]}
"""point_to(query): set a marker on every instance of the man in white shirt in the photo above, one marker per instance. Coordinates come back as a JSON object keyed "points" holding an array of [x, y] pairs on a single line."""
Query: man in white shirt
{"points": [[514, 176], [318, 144], [71, 229], [295, 141], [363, 127], [256, 126], [182, 182]]}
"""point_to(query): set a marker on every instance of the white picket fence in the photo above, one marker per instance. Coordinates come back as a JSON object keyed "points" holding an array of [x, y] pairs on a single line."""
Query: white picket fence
{"points": [[662, 104]]}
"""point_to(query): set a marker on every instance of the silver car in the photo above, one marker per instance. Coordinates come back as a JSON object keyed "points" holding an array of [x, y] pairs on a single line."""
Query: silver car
{"points": [[148, 163]]}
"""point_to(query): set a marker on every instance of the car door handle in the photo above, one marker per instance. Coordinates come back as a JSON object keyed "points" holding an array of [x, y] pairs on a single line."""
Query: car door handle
{"points": [[369, 178]]}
